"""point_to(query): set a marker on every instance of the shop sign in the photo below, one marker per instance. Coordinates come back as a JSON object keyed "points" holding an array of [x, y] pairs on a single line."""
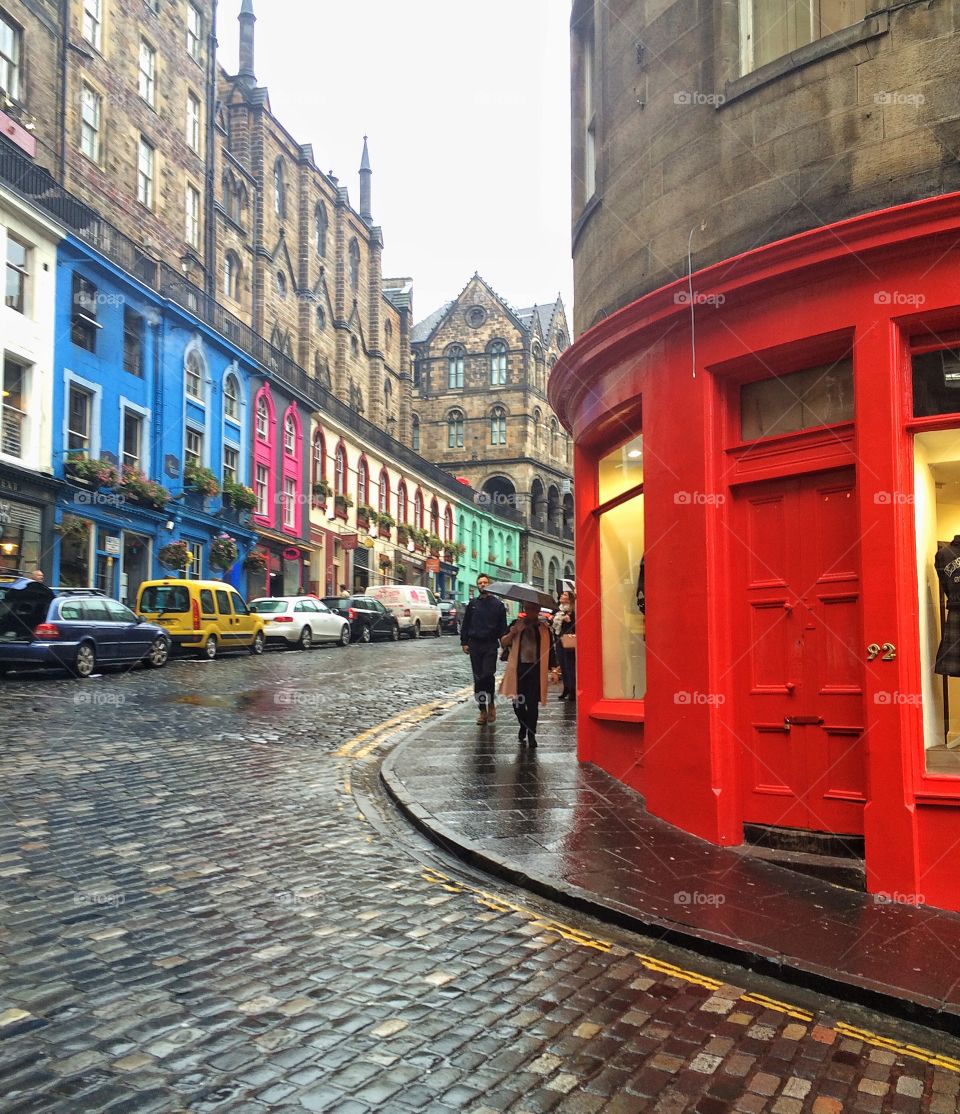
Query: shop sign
{"points": [[433, 564], [111, 546], [9, 485], [349, 541], [291, 554]]}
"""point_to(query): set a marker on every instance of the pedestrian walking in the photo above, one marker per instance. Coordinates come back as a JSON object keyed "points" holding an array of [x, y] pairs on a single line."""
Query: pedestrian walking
{"points": [[484, 623], [564, 629], [525, 680]]}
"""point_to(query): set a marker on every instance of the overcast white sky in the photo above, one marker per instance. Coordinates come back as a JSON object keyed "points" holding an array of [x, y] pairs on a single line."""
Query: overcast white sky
{"points": [[467, 109]]}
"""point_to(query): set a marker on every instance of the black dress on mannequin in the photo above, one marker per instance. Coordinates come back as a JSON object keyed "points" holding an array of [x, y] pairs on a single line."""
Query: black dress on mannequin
{"points": [[947, 564]]}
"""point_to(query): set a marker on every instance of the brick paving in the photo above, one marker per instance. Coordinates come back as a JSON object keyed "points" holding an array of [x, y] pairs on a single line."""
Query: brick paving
{"points": [[195, 916]]}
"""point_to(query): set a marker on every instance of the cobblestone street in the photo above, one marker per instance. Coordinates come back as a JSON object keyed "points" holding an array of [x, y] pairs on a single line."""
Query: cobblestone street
{"points": [[208, 904]]}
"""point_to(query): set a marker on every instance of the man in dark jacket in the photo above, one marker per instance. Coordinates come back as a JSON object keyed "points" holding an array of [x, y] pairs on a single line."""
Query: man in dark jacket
{"points": [[484, 624]]}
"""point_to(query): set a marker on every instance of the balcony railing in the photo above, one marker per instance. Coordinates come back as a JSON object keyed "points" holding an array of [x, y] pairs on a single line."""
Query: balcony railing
{"points": [[11, 432], [37, 186]]}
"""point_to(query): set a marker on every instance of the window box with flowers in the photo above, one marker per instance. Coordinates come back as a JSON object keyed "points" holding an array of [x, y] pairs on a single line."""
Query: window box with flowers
{"points": [[321, 493], [403, 535], [386, 523], [341, 504], [419, 539], [223, 552], [257, 560], [201, 480], [366, 516], [434, 544], [175, 556], [135, 485], [91, 473], [239, 496]]}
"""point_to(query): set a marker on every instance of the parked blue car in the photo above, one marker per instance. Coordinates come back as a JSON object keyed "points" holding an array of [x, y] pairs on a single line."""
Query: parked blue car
{"points": [[73, 629]]}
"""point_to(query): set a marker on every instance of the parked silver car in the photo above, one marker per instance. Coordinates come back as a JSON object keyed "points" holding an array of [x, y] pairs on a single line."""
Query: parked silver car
{"points": [[300, 621]]}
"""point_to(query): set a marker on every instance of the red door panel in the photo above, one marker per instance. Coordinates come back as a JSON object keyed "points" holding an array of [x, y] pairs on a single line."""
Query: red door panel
{"points": [[798, 654]]}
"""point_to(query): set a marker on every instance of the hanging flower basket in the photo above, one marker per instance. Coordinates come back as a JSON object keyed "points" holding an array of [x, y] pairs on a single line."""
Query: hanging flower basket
{"points": [[201, 480], [223, 552], [175, 555], [99, 473], [257, 560], [385, 563]]}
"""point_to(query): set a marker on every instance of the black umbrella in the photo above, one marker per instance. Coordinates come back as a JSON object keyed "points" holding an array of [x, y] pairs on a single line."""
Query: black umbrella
{"points": [[523, 593]]}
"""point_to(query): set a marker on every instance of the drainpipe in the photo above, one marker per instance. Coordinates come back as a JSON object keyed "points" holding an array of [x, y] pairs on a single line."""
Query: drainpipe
{"points": [[210, 246], [62, 63]]}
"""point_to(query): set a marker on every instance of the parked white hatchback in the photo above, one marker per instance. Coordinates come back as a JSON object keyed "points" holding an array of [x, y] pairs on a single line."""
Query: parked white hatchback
{"points": [[300, 621], [416, 608]]}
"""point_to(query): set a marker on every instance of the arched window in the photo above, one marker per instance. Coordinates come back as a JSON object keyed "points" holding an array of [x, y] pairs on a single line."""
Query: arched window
{"points": [[289, 435], [415, 434], [455, 429], [354, 264], [455, 358], [194, 373], [354, 347], [383, 493], [387, 398], [231, 397], [281, 284], [498, 426], [402, 505], [554, 573], [363, 482], [416, 371], [319, 458], [340, 471], [231, 276], [418, 510], [554, 436], [498, 363], [434, 517], [538, 569], [491, 546], [448, 526], [263, 419], [537, 419], [279, 190], [322, 226], [321, 319]]}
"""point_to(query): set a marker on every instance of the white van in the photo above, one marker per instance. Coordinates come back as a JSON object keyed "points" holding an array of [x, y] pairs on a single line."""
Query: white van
{"points": [[416, 609]]}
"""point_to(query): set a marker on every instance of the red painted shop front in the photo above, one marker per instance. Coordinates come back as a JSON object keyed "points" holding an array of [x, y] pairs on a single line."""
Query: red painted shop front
{"points": [[768, 486]]}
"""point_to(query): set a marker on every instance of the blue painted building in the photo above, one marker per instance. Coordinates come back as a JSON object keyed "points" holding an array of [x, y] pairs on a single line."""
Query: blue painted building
{"points": [[148, 402]]}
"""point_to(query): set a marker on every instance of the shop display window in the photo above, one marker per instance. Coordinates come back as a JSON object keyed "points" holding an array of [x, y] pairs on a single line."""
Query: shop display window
{"points": [[817, 396], [937, 513], [622, 596]]}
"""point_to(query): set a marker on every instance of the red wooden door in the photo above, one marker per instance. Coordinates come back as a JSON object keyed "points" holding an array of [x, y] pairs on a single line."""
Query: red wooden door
{"points": [[798, 653]]}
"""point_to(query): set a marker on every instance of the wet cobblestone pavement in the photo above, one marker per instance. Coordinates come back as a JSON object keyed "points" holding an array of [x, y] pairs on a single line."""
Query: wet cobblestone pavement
{"points": [[206, 904]]}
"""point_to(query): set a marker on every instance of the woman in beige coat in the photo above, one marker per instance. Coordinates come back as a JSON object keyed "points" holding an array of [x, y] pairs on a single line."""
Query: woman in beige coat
{"points": [[525, 681]]}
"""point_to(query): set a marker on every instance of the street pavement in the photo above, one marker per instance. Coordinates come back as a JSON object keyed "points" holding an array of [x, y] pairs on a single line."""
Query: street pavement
{"points": [[206, 903]]}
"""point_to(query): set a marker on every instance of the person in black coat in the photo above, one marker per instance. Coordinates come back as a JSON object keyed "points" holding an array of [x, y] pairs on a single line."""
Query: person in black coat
{"points": [[565, 622], [484, 624]]}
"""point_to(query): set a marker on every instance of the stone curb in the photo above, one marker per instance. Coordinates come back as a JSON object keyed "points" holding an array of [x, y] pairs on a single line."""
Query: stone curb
{"points": [[821, 980]]}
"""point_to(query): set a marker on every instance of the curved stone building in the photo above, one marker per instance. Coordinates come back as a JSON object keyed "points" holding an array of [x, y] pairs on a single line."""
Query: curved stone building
{"points": [[765, 402]]}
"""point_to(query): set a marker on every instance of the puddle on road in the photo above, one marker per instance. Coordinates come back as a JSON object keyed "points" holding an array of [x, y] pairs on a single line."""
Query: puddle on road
{"points": [[267, 701]]}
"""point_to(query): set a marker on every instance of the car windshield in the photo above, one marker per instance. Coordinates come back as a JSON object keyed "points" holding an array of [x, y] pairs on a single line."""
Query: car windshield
{"points": [[336, 601], [268, 607], [165, 597]]}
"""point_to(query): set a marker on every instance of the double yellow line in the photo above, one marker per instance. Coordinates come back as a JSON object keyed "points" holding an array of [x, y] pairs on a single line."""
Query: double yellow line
{"points": [[661, 967]]}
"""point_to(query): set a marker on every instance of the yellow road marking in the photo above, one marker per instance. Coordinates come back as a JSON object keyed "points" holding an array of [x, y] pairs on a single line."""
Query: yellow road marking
{"points": [[662, 967]]}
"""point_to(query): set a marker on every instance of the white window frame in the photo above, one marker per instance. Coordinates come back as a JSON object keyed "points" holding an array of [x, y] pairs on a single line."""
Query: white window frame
{"points": [[231, 471], [191, 203], [147, 73], [262, 489], [263, 419], [146, 172], [289, 502], [95, 392], [229, 378], [91, 144], [20, 416], [10, 63], [22, 271], [195, 33], [194, 132], [290, 435], [193, 455], [92, 29], [138, 461]]}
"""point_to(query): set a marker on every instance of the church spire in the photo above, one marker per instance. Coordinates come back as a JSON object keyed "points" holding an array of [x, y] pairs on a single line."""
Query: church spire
{"points": [[247, 38], [366, 185]]}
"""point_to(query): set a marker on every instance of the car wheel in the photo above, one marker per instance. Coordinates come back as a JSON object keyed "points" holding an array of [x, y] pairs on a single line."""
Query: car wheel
{"points": [[415, 633], [85, 662], [395, 633], [364, 633], [158, 654], [344, 639], [306, 639], [258, 644], [438, 631], [210, 648]]}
